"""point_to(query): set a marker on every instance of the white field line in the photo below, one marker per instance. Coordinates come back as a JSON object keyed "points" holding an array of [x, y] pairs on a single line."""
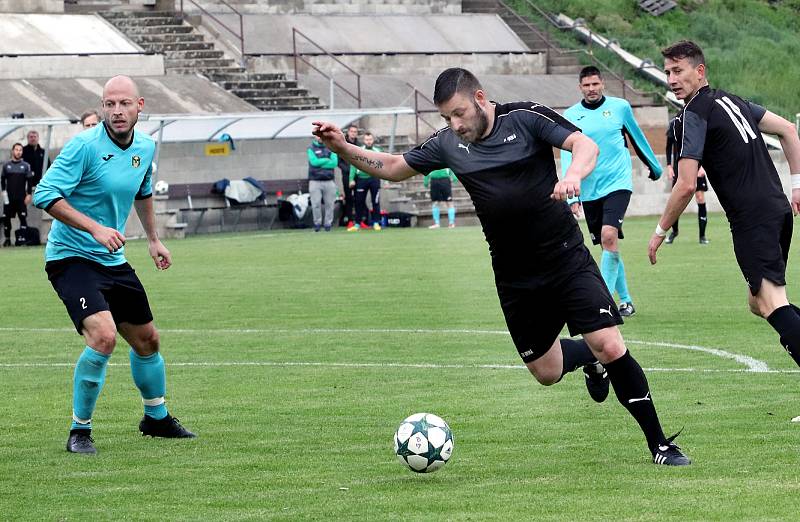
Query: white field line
{"points": [[751, 364]]}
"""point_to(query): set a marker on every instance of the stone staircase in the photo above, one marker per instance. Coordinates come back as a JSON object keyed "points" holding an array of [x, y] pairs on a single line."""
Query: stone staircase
{"points": [[557, 62], [186, 51]]}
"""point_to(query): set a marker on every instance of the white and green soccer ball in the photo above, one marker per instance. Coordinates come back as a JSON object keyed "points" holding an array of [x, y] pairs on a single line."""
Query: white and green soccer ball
{"points": [[423, 442]]}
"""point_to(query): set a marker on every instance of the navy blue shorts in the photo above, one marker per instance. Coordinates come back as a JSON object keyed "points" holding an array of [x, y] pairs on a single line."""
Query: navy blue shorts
{"points": [[608, 210], [87, 287]]}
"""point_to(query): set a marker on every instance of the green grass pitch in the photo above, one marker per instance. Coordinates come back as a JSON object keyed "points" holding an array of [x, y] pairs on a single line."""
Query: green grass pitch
{"points": [[295, 355]]}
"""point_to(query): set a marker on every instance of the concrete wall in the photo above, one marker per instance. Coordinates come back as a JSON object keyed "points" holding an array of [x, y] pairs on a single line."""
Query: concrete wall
{"points": [[388, 33], [35, 67], [327, 7], [401, 64], [31, 6]]}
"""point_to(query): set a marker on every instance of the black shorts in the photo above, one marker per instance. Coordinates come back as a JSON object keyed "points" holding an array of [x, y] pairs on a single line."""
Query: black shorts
{"points": [[87, 287], [702, 183], [762, 251], [608, 210], [577, 297], [15, 209], [441, 189]]}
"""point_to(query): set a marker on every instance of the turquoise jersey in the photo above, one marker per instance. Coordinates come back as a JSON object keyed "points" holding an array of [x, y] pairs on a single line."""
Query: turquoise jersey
{"points": [[100, 180], [608, 125]]}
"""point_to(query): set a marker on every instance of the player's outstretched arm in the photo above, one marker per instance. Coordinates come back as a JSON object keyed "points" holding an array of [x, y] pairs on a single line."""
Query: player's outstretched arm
{"points": [[382, 165], [584, 157], [787, 134], [681, 195]]}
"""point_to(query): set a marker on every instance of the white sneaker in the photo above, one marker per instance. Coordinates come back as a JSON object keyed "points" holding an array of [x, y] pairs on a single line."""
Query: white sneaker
{"points": [[796, 419], [451, 225], [435, 225]]}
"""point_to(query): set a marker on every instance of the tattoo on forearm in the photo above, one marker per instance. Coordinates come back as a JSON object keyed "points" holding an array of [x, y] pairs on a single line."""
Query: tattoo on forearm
{"points": [[375, 164]]}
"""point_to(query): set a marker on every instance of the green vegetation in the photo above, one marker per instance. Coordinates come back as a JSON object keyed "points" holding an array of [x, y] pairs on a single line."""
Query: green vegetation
{"points": [[293, 354], [751, 46]]}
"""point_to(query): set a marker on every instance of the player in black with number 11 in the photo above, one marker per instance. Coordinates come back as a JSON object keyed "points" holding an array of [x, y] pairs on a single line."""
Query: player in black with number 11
{"points": [[545, 275], [721, 132]]}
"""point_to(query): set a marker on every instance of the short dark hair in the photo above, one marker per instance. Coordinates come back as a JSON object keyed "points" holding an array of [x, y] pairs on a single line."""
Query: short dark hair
{"points": [[589, 70], [14, 145], [88, 113], [368, 133], [452, 81], [685, 49]]}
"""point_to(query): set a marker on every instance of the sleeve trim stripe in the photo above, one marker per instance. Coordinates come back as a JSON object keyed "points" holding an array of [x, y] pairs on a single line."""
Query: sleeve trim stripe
{"points": [[50, 205]]}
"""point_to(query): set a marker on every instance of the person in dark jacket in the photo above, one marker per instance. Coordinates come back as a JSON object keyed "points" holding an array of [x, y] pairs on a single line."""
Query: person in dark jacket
{"points": [[321, 185]]}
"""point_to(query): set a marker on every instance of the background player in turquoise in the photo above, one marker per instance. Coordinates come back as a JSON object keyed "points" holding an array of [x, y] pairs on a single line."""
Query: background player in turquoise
{"points": [[605, 193], [90, 190]]}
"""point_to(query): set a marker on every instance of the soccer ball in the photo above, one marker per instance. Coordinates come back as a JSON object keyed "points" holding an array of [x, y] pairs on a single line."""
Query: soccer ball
{"points": [[161, 188], [423, 442]]}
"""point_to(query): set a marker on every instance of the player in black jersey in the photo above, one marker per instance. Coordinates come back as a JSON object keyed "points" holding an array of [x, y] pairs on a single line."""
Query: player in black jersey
{"points": [[720, 132], [700, 190], [545, 275]]}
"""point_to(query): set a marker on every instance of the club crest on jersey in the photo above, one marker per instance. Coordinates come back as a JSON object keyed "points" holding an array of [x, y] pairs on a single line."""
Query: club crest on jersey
{"points": [[136, 161], [606, 114]]}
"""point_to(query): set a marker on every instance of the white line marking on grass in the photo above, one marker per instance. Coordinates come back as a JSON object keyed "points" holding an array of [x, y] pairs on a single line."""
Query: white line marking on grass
{"points": [[751, 364], [308, 364]]}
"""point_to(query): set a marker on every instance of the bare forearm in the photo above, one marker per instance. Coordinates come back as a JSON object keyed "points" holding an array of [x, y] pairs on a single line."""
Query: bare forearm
{"points": [[67, 214], [791, 149], [679, 198], [379, 164], [584, 156], [144, 209]]}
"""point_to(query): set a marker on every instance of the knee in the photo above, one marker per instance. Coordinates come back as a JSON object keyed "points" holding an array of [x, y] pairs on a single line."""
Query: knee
{"points": [[545, 377], [608, 240], [149, 342], [754, 308], [609, 351], [103, 339]]}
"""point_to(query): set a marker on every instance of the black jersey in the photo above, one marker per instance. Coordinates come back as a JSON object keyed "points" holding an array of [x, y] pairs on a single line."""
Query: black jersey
{"points": [[510, 176], [720, 130], [671, 150], [16, 179]]}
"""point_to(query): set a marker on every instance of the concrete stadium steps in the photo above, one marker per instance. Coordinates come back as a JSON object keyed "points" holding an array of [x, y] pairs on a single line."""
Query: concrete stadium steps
{"points": [[186, 51], [480, 6]]}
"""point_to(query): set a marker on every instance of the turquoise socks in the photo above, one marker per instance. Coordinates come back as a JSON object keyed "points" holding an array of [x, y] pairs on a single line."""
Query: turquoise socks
{"points": [[622, 284], [609, 269], [151, 379], [436, 213], [451, 215], [90, 374]]}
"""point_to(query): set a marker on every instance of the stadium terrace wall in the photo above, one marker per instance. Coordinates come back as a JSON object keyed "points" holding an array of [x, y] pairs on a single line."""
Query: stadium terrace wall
{"points": [[400, 63], [64, 66], [317, 7], [31, 6]]}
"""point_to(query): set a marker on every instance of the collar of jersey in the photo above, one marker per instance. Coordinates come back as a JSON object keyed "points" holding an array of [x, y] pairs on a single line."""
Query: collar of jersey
{"points": [[595, 105], [115, 142]]}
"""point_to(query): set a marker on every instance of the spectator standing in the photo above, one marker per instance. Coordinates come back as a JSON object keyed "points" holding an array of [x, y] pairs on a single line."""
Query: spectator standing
{"points": [[90, 119], [33, 154], [351, 136], [321, 183], [363, 183]]}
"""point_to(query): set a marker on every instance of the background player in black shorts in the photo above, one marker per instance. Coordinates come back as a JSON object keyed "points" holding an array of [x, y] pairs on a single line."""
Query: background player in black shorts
{"points": [[545, 275], [699, 193], [720, 131], [16, 183]]}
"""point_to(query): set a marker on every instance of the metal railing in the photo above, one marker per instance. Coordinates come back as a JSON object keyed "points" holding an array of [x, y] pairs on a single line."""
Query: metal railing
{"points": [[239, 36], [301, 57], [418, 112]]}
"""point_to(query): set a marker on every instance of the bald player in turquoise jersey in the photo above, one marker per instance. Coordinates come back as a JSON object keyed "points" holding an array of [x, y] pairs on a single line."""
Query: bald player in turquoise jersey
{"points": [[89, 190], [606, 192]]}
